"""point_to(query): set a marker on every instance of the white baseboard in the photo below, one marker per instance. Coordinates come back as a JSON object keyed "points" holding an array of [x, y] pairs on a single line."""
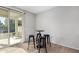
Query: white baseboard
{"points": [[65, 45]]}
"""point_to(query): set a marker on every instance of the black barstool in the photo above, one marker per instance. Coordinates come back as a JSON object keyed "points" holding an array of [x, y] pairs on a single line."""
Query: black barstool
{"points": [[47, 36], [31, 36], [38, 36], [41, 43]]}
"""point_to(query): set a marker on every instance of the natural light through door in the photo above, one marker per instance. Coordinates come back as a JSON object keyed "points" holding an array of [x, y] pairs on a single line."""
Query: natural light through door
{"points": [[10, 27]]}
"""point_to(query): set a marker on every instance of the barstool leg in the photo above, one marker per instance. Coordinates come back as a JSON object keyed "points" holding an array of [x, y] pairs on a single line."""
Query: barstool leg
{"points": [[46, 49], [45, 46], [49, 42], [38, 50], [47, 39], [28, 42], [34, 41]]}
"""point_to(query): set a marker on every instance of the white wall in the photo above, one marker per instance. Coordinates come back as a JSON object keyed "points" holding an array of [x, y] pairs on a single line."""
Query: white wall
{"points": [[29, 24], [62, 23]]}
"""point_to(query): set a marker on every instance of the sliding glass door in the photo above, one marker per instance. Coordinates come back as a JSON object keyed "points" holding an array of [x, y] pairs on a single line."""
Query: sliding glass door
{"points": [[15, 27], [10, 27], [4, 35]]}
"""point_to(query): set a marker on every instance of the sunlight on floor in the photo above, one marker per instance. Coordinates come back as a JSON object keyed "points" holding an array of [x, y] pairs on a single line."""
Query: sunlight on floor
{"points": [[12, 41]]}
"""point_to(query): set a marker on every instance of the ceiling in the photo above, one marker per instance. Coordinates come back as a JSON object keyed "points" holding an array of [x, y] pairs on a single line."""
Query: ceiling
{"points": [[35, 9]]}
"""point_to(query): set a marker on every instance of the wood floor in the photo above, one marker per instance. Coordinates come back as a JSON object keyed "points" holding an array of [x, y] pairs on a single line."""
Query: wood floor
{"points": [[53, 49]]}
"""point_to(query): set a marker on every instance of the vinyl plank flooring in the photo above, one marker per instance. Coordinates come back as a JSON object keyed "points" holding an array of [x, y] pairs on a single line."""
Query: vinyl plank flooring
{"points": [[53, 49]]}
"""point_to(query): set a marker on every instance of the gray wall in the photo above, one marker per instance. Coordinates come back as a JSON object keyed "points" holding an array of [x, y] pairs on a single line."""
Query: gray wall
{"points": [[62, 23], [29, 24]]}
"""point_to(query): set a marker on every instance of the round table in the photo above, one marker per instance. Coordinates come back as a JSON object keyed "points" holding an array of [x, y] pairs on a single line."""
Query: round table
{"points": [[39, 31]]}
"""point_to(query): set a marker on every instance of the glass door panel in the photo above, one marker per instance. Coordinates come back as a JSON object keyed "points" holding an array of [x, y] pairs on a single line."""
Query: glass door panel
{"points": [[15, 28], [3, 28]]}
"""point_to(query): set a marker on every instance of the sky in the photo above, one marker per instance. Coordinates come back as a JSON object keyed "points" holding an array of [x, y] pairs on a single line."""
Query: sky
{"points": [[2, 19]]}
